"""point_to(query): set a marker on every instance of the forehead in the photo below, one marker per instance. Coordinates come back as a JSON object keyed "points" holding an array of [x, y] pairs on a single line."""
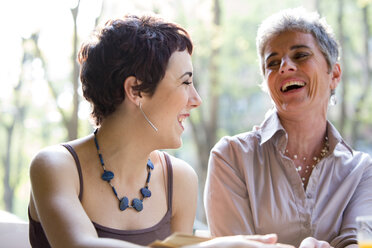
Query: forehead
{"points": [[179, 62], [289, 40]]}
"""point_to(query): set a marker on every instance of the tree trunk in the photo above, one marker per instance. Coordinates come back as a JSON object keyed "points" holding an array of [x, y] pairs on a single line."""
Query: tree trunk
{"points": [[73, 123], [205, 129], [8, 189], [345, 78], [367, 75], [10, 180]]}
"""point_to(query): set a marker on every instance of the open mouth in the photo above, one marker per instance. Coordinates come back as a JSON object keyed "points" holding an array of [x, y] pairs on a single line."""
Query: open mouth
{"points": [[292, 85], [181, 120]]}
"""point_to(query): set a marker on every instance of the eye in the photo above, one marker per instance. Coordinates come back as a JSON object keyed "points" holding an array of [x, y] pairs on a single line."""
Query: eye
{"points": [[187, 82], [300, 55], [273, 63]]}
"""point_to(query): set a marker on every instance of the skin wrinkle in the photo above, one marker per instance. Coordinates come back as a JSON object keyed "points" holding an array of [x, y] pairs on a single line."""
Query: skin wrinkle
{"points": [[296, 128], [298, 58], [307, 68]]}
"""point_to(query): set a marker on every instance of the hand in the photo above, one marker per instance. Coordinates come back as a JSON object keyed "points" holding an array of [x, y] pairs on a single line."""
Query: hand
{"points": [[246, 241], [311, 242]]}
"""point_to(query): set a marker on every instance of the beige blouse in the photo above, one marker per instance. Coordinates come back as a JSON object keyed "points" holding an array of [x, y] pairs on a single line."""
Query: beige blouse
{"points": [[253, 188]]}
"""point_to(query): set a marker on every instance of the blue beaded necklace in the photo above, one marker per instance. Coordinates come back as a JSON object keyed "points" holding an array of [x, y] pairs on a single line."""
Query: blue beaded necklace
{"points": [[109, 175]]}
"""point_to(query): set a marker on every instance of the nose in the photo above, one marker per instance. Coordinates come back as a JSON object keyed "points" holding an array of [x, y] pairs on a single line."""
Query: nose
{"points": [[194, 98], [287, 65]]}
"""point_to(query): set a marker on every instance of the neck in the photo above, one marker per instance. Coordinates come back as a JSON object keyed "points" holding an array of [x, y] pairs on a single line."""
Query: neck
{"points": [[108, 175], [305, 136], [125, 149]]}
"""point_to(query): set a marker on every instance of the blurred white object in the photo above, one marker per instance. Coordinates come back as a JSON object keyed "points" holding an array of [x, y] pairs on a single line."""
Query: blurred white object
{"points": [[13, 231]]}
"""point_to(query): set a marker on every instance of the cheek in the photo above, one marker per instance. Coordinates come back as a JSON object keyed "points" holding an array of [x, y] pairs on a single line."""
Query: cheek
{"points": [[178, 100], [273, 91], [269, 81], [319, 86], [276, 98], [314, 86]]}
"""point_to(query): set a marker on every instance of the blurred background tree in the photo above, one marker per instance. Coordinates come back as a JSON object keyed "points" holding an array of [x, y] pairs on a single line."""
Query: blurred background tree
{"points": [[41, 101]]}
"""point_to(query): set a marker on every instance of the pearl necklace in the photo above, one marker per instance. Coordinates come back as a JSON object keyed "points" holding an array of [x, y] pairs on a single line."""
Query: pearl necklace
{"points": [[107, 176], [306, 170]]}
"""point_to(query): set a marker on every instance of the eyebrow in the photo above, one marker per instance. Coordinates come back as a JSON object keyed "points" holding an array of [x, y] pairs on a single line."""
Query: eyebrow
{"points": [[187, 73], [292, 48]]}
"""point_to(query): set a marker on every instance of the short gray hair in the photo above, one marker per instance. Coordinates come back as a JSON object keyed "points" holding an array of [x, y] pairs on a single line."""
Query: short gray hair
{"points": [[298, 19]]}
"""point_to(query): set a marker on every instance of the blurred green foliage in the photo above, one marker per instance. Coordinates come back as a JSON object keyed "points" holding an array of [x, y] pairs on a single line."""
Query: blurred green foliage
{"points": [[242, 103]]}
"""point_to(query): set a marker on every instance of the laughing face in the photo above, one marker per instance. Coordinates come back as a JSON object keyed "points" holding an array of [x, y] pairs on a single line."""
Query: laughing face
{"points": [[173, 99], [297, 73]]}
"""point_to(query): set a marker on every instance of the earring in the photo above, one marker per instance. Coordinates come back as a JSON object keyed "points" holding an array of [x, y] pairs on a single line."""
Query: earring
{"points": [[333, 98], [147, 119]]}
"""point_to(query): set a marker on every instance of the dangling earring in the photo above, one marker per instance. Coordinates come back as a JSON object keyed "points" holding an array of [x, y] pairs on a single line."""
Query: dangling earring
{"points": [[147, 119], [333, 98]]}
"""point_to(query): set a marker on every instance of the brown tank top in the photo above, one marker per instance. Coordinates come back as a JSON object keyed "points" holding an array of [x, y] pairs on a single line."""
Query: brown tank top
{"points": [[142, 237]]}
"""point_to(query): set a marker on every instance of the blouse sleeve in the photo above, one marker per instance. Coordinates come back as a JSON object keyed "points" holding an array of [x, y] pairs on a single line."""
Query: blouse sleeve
{"points": [[359, 205], [225, 197]]}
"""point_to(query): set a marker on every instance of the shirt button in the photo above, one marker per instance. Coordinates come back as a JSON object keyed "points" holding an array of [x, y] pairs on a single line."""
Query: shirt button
{"points": [[309, 196]]}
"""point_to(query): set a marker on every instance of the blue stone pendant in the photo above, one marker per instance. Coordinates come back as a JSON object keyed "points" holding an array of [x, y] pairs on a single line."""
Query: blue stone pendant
{"points": [[145, 192], [137, 204], [124, 203], [107, 175], [150, 164]]}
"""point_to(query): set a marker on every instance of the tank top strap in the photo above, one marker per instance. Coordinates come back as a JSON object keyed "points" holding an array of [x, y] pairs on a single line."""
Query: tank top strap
{"points": [[170, 179], [78, 167]]}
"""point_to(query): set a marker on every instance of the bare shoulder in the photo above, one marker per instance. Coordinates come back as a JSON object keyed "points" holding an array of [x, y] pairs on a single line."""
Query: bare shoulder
{"points": [[53, 166], [185, 191], [50, 159], [182, 171]]}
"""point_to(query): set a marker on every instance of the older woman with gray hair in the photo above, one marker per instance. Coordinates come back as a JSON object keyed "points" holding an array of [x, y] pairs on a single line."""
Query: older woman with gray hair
{"points": [[294, 175]]}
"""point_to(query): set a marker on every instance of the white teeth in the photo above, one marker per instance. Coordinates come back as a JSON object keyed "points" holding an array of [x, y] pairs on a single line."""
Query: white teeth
{"points": [[182, 117], [290, 83]]}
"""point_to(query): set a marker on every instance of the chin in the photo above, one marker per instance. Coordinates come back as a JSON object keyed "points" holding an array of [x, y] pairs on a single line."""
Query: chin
{"points": [[175, 144]]}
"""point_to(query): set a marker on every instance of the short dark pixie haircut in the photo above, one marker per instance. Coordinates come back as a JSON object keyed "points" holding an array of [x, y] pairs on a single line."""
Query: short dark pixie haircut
{"points": [[298, 19], [138, 46]]}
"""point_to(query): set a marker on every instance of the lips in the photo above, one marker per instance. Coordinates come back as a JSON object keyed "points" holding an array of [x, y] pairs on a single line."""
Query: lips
{"points": [[292, 85], [181, 118]]}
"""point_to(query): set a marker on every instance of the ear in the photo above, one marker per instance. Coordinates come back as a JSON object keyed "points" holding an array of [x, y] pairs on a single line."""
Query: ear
{"points": [[336, 75], [132, 94]]}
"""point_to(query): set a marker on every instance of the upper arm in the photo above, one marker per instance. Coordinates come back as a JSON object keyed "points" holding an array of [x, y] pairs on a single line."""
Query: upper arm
{"points": [[360, 204], [55, 186], [185, 190], [352, 246], [226, 197]]}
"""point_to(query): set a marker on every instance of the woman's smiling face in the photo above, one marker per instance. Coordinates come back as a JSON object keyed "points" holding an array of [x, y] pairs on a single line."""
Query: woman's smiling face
{"points": [[173, 99], [297, 73]]}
